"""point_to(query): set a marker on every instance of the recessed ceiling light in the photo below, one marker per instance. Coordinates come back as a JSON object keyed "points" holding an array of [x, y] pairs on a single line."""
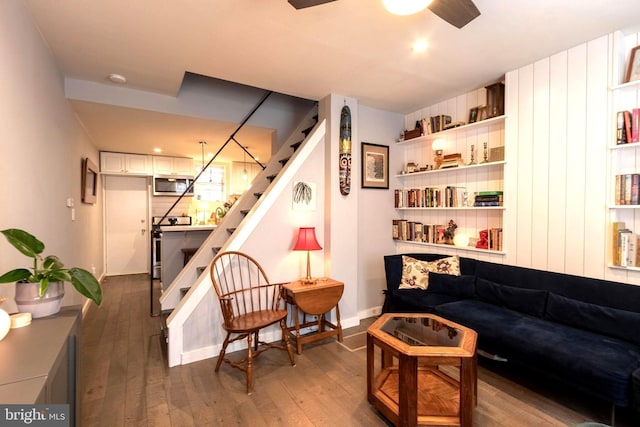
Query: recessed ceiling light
{"points": [[420, 45], [157, 150], [117, 78]]}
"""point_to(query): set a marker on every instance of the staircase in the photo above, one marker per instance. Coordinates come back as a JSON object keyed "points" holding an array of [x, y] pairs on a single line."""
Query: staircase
{"points": [[197, 267]]}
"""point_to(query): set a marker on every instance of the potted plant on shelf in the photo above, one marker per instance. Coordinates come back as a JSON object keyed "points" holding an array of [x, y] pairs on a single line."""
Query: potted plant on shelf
{"points": [[39, 290]]}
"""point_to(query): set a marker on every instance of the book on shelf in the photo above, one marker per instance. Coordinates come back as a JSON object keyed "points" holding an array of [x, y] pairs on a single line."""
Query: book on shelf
{"points": [[488, 198], [627, 189], [628, 126], [625, 251], [616, 226], [635, 125], [495, 239], [439, 123], [627, 247], [620, 133]]}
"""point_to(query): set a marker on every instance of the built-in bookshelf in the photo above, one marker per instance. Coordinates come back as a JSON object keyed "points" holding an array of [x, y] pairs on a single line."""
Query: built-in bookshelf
{"points": [[430, 198], [624, 194]]}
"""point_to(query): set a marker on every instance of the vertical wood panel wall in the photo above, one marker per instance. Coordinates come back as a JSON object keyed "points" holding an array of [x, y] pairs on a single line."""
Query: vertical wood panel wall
{"points": [[558, 127]]}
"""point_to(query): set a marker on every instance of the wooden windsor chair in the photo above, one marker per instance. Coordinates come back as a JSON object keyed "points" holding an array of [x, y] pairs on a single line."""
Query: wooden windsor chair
{"points": [[249, 303]]}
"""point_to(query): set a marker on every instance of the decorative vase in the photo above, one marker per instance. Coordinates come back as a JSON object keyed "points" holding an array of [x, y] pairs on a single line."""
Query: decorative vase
{"points": [[28, 301]]}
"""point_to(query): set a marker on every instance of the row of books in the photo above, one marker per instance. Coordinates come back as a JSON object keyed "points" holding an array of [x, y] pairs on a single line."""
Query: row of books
{"points": [[436, 124], [625, 246], [628, 126], [494, 237], [447, 197], [413, 231], [488, 198], [431, 197], [627, 189]]}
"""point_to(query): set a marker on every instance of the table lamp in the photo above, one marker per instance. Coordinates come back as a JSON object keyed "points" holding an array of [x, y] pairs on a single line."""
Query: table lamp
{"points": [[438, 147], [307, 242]]}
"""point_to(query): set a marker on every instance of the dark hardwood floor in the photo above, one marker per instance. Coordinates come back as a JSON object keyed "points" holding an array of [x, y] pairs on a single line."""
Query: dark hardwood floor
{"points": [[125, 381]]}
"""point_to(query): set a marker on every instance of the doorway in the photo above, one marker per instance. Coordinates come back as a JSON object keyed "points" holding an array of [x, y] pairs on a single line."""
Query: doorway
{"points": [[126, 225]]}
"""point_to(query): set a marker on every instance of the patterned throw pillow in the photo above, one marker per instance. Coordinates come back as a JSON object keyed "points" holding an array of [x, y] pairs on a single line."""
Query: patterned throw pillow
{"points": [[415, 273]]}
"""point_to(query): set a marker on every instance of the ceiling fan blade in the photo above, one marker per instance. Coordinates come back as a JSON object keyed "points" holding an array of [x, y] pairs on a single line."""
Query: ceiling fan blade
{"points": [[456, 12], [301, 4]]}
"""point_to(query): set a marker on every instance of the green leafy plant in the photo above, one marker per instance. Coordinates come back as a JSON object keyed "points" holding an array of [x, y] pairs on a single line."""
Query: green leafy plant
{"points": [[47, 269]]}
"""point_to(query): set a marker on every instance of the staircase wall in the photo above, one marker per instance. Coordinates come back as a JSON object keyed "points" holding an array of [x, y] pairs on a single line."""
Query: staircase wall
{"points": [[194, 326]]}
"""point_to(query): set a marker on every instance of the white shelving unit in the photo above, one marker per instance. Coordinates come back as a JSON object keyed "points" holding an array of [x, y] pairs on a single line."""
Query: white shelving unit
{"points": [[624, 159], [487, 176]]}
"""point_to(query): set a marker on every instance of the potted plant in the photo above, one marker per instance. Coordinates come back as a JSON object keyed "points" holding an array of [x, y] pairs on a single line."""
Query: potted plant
{"points": [[44, 281]]}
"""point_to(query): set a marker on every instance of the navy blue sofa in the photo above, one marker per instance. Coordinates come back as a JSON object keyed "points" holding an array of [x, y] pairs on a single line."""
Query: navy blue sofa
{"points": [[583, 331]]}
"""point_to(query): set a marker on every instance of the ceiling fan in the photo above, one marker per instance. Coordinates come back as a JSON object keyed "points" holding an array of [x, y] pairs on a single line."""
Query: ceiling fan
{"points": [[456, 12]]}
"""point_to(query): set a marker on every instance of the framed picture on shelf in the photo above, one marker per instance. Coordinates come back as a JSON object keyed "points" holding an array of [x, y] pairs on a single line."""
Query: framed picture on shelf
{"points": [[473, 115], [633, 67], [375, 166]]}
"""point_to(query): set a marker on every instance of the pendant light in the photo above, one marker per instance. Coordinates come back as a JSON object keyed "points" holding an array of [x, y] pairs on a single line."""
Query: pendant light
{"points": [[405, 7], [244, 163]]}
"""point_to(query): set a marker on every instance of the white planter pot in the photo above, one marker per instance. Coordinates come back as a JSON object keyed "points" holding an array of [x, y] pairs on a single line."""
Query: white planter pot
{"points": [[28, 301]]}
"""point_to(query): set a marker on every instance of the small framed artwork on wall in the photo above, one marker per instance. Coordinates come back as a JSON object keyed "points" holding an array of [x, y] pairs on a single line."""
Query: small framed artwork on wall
{"points": [[375, 166], [89, 181]]}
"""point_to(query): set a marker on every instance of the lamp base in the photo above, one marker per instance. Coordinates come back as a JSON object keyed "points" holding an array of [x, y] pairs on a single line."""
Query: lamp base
{"points": [[308, 281]]}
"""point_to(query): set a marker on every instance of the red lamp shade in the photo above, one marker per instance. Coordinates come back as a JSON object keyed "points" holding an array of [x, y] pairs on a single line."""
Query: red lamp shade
{"points": [[307, 240]]}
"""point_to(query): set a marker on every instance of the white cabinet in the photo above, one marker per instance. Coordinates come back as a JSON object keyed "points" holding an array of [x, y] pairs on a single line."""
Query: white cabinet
{"points": [[163, 165], [125, 164], [470, 195]]}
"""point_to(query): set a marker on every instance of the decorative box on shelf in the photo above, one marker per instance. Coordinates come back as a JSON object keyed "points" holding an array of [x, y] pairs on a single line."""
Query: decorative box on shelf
{"points": [[410, 134]]}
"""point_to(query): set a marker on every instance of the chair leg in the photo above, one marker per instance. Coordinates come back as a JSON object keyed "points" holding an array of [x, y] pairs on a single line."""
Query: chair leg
{"points": [[249, 366], [285, 338], [223, 350]]}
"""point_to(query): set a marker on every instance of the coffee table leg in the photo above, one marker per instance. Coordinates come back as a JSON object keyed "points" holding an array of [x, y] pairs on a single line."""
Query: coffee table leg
{"points": [[408, 390], [467, 391]]}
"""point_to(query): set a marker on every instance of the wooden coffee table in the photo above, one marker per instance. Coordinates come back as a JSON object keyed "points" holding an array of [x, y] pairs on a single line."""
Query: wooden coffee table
{"points": [[407, 382]]}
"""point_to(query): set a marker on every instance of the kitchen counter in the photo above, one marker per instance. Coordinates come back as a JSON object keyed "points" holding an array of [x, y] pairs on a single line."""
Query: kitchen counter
{"points": [[174, 228], [174, 239]]}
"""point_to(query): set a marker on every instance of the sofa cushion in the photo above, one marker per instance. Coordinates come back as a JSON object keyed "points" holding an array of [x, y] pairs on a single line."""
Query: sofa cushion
{"points": [[529, 301], [416, 300], [591, 361], [457, 286], [415, 273], [605, 320]]}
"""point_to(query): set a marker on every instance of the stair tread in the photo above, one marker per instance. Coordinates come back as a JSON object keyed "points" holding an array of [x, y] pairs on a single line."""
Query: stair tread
{"points": [[307, 131]]}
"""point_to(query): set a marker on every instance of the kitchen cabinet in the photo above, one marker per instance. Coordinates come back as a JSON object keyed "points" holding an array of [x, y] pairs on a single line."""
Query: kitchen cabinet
{"points": [[163, 165], [125, 164]]}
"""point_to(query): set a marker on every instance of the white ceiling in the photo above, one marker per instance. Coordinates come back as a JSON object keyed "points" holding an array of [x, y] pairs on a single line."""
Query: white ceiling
{"points": [[348, 47]]}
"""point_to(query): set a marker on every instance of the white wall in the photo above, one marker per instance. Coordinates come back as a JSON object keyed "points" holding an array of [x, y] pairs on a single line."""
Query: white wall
{"points": [[375, 208], [41, 147]]}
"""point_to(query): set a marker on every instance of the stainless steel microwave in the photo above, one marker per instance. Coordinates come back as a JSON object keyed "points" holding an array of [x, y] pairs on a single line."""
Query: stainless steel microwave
{"points": [[172, 185]]}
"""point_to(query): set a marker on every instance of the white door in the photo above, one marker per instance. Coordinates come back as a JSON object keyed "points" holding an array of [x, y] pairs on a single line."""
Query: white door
{"points": [[127, 230]]}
